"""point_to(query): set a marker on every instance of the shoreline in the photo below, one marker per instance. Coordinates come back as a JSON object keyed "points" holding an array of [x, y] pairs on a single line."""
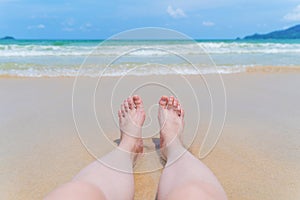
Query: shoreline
{"points": [[245, 70]]}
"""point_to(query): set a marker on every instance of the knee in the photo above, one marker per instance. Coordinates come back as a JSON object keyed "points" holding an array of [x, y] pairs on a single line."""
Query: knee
{"points": [[197, 190], [76, 190]]}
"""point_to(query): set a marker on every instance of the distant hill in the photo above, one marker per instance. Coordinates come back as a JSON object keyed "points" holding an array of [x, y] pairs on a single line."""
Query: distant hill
{"points": [[290, 33], [7, 38]]}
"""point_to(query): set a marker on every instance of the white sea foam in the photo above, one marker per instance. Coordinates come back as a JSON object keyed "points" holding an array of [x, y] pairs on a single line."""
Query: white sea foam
{"points": [[113, 70], [36, 60], [13, 50]]}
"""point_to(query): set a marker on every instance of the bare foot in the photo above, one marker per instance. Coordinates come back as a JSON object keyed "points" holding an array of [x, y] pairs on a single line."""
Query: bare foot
{"points": [[131, 119], [170, 117]]}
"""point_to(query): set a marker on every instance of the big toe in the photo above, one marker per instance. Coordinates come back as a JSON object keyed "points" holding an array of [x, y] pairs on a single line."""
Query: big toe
{"points": [[130, 103], [163, 101], [137, 100]]}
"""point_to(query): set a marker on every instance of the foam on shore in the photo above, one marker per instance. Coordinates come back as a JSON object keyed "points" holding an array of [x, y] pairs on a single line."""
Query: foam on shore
{"points": [[124, 70]]}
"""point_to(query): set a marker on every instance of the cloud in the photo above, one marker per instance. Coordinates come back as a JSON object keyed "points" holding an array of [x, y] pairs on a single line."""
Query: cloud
{"points": [[68, 25], [39, 26], [294, 15], [86, 27], [208, 23], [175, 13], [68, 22]]}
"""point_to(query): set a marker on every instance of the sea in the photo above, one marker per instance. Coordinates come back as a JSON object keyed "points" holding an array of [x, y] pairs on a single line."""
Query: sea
{"points": [[70, 58]]}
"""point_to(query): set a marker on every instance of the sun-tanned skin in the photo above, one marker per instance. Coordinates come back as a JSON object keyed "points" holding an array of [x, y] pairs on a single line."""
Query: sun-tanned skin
{"points": [[184, 177]]}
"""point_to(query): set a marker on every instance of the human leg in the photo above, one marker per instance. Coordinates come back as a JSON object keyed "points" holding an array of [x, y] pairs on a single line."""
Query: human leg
{"points": [[111, 177], [184, 176]]}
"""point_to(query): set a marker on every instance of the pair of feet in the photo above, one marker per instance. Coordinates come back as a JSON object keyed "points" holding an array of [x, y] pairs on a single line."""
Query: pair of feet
{"points": [[132, 117]]}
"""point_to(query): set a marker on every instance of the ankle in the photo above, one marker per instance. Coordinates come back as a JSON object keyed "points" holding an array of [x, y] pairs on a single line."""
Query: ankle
{"points": [[127, 144], [173, 149]]}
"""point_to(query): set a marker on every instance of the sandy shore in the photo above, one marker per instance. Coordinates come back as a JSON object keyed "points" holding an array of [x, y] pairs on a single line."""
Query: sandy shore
{"points": [[256, 157]]}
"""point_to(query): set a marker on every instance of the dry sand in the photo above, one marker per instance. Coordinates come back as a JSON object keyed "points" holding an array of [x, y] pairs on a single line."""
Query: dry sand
{"points": [[257, 156]]}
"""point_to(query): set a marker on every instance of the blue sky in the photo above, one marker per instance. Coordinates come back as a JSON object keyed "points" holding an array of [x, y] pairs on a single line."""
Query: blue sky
{"points": [[91, 19]]}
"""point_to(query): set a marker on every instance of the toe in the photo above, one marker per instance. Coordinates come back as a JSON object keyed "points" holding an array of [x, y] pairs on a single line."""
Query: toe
{"points": [[179, 110], [137, 100], [170, 102], [163, 101], [181, 113], [123, 110], [123, 113], [175, 104], [120, 114], [130, 103], [126, 106]]}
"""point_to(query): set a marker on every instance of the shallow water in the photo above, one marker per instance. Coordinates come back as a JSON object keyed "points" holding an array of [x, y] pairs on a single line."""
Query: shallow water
{"points": [[36, 58]]}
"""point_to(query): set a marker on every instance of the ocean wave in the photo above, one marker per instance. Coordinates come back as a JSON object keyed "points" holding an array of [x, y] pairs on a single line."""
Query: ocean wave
{"points": [[64, 58], [61, 49], [250, 48]]}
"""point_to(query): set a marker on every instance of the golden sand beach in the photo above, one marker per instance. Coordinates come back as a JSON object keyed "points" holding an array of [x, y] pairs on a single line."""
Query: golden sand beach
{"points": [[256, 157]]}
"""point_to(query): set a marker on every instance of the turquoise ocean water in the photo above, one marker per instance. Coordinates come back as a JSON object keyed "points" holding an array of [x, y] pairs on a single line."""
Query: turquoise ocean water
{"points": [[52, 58]]}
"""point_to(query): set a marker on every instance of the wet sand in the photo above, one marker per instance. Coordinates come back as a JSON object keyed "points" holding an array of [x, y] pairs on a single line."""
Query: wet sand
{"points": [[256, 157]]}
